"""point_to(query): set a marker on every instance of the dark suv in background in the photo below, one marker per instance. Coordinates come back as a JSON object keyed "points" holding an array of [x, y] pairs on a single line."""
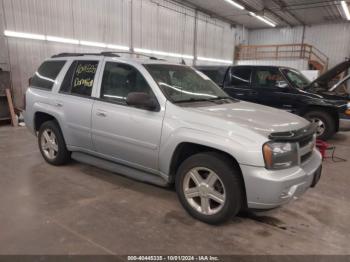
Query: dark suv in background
{"points": [[288, 89]]}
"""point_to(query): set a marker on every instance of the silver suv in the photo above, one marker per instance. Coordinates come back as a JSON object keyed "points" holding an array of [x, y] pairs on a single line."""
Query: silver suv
{"points": [[169, 124]]}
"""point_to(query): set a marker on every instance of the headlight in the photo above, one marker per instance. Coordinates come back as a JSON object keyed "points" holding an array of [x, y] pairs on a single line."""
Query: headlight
{"points": [[347, 111], [280, 155]]}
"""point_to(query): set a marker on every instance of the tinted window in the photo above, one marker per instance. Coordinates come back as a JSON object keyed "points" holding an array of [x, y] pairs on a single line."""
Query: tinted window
{"points": [[83, 78], [67, 81], [119, 80], [269, 78], [79, 78], [296, 78], [240, 76], [47, 73], [217, 74]]}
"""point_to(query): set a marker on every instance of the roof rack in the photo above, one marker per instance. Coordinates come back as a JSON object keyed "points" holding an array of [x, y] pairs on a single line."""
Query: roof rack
{"points": [[83, 54], [110, 54], [130, 53]]}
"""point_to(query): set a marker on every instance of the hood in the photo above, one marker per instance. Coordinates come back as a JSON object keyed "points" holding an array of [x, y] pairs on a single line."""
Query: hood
{"points": [[260, 119], [331, 73]]}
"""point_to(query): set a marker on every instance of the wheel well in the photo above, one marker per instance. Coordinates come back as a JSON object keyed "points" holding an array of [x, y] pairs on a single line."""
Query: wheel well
{"points": [[333, 112], [40, 118], [185, 150]]}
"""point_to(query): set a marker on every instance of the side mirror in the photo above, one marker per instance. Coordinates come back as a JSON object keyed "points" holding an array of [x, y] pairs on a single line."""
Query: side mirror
{"points": [[282, 84], [141, 100]]}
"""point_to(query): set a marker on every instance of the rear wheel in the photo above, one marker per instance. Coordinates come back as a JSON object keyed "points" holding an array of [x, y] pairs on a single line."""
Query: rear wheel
{"points": [[52, 145], [324, 122], [209, 187]]}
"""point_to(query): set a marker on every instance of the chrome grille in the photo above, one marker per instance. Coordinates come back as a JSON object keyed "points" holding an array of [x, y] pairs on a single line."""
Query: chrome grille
{"points": [[306, 146]]}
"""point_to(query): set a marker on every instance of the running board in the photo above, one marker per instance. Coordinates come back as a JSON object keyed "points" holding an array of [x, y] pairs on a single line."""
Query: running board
{"points": [[120, 169]]}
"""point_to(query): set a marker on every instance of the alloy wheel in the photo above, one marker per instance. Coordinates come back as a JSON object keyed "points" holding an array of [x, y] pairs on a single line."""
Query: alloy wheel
{"points": [[204, 190], [49, 144]]}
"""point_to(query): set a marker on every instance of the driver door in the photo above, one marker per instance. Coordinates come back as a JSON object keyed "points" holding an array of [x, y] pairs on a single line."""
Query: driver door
{"points": [[273, 89], [124, 133]]}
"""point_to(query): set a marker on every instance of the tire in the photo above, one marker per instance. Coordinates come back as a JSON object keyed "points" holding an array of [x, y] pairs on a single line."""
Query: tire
{"points": [[50, 139], [325, 119], [227, 186]]}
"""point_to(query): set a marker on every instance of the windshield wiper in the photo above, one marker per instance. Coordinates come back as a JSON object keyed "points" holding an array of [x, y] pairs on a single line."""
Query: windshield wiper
{"points": [[202, 99]]}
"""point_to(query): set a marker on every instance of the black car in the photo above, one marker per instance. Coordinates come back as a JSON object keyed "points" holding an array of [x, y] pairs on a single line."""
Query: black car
{"points": [[288, 89]]}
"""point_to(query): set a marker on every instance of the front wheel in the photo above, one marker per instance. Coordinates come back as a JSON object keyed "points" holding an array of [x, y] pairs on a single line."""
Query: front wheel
{"points": [[209, 187], [324, 122]]}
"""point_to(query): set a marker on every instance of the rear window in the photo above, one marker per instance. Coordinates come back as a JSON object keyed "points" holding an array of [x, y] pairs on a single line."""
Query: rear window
{"points": [[46, 75]]}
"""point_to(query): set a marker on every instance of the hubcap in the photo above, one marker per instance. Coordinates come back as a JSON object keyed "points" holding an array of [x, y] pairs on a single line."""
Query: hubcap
{"points": [[320, 125], [204, 190], [49, 144]]}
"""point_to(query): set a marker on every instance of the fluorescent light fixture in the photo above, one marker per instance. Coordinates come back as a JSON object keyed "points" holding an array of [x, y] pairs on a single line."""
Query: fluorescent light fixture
{"points": [[119, 47], [162, 53], [24, 35], [95, 44], [235, 4], [346, 9], [62, 40], [214, 60], [265, 20]]}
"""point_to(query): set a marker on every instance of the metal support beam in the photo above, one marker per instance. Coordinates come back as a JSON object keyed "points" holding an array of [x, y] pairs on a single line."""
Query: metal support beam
{"points": [[282, 5], [195, 36], [206, 11], [278, 16], [250, 8]]}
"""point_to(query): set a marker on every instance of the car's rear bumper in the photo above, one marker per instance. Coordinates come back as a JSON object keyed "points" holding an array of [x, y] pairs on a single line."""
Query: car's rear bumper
{"points": [[267, 189], [29, 122]]}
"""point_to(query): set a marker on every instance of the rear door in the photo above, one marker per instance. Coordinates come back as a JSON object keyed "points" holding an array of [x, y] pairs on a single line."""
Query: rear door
{"points": [[238, 84], [75, 102]]}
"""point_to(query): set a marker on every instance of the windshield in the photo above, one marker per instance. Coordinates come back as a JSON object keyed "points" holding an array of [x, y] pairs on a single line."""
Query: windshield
{"points": [[184, 84], [296, 78]]}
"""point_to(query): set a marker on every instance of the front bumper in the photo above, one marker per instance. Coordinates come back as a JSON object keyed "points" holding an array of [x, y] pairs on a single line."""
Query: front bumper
{"points": [[344, 124], [268, 189]]}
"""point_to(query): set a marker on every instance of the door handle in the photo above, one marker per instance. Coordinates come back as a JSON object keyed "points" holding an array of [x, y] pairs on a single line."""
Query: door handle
{"points": [[58, 104], [101, 113]]}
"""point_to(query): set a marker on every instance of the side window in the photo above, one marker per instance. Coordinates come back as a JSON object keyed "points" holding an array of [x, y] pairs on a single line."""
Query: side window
{"points": [[79, 78], [83, 78], [240, 77], [67, 81], [46, 75], [119, 80], [268, 78]]}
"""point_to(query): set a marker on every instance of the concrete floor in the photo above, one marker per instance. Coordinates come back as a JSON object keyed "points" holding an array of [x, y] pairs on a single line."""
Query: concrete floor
{"points": [[79, 209]]}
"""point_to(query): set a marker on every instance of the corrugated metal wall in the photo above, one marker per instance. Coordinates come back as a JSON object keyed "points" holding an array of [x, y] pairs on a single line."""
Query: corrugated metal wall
{"points": [[331, 39], [150, 24], [4, 63]]}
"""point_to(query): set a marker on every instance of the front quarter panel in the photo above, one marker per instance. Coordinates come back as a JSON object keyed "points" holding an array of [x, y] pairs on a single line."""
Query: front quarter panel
{"points": [[245, 146]]}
